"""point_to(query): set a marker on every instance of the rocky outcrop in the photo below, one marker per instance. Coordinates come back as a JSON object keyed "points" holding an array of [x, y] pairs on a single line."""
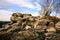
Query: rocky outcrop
{"points": [[28, 27]]}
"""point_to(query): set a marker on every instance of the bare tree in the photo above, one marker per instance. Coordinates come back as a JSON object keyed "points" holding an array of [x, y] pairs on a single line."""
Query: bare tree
{"points": [[47, 9]]}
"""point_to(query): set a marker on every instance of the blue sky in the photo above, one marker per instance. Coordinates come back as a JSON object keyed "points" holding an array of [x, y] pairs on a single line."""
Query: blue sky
{"points": [[7, 7]]}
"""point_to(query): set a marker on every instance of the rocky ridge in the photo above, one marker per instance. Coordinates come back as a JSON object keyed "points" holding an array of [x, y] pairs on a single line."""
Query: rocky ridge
{"points": [[28, 27]]}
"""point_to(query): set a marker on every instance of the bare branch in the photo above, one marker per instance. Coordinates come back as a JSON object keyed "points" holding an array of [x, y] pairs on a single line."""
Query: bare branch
{"points": [[48, 8]]}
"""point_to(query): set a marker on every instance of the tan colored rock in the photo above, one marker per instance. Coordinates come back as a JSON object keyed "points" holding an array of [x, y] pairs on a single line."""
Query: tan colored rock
{"points": [[27, 27], [52, 18], [43, 22], [16, 19], [51, 24], [50, 30], [57, 26]]}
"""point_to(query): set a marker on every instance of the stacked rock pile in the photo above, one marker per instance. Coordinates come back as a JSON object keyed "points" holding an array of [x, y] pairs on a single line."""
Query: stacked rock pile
{"points": [[28, 27]]}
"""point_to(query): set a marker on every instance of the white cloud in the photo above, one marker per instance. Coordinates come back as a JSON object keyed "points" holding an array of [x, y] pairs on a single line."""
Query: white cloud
{"points": [[38, 6], [22, 3], [5, 15], [25, 3]]}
